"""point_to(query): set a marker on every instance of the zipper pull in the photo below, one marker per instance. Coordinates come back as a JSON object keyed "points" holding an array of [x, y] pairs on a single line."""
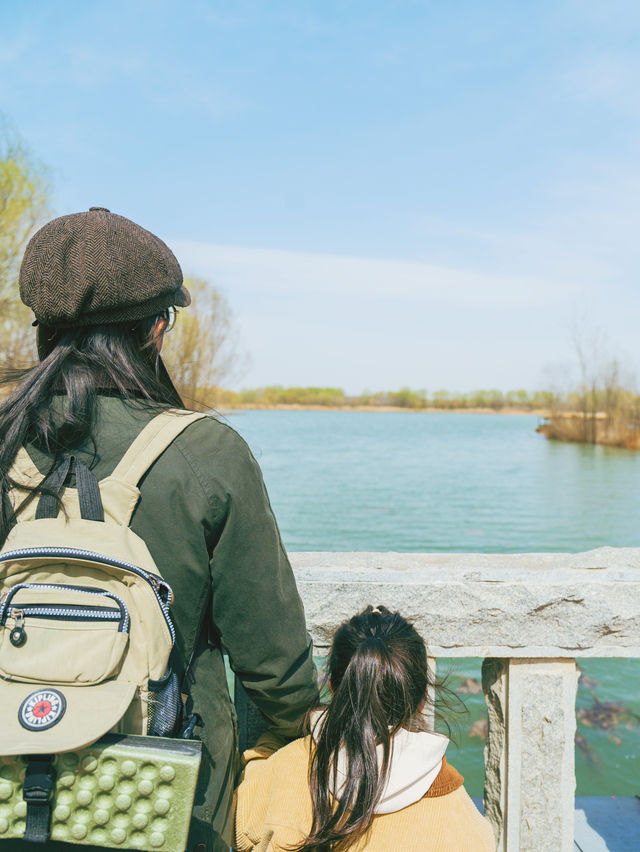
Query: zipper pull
{"points": [[162, 589], [18, 635]]}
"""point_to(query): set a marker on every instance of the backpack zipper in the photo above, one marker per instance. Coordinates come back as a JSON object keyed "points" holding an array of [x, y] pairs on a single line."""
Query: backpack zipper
{"points": [[123, 613], [18, 634], [161, 589], [67, 613]]}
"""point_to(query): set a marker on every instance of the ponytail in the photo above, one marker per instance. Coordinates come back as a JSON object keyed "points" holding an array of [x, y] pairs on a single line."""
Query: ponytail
{"points": [[379, 677]]}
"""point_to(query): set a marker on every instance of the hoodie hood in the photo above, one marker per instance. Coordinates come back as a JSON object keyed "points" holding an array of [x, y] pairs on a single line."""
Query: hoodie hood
{"points": [[415, 761]]}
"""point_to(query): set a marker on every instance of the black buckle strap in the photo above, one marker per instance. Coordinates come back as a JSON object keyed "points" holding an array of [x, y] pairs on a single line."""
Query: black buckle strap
{"points": [[86, 484], [37, 790], [48, 504]]}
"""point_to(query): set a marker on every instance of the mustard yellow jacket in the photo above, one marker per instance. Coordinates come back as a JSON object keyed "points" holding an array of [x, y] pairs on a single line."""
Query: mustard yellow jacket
{"points": [[273, 811]]}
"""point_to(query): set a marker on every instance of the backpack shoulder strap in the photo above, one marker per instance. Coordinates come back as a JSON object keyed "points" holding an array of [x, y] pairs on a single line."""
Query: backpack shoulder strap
{"points": [[151, 443], [23, 471], [24, 474]]}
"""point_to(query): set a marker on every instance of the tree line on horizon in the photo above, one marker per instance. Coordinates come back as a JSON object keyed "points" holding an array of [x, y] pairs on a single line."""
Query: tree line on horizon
{"points": [[405, 397], [598, 413]]}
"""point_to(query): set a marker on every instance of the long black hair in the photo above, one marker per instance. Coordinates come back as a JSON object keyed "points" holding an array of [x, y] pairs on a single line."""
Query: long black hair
{"points": [[78, 363], [381, 682]]}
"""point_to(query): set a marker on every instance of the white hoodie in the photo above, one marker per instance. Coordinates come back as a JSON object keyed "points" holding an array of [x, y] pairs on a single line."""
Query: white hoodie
{"points": [[414, 764]]}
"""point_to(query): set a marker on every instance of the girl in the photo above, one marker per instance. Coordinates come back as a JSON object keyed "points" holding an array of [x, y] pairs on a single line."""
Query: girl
{"points": [[370, 775]]}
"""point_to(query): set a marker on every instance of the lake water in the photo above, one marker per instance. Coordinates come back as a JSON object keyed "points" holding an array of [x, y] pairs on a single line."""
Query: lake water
{"points": [[463, 482]]}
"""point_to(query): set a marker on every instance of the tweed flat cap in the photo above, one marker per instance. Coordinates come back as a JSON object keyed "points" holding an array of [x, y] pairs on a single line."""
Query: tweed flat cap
{"points": [[97, 267]]}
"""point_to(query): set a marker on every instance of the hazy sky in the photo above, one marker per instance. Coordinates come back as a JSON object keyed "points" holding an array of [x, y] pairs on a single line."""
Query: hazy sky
{"points": [[389, 193]]}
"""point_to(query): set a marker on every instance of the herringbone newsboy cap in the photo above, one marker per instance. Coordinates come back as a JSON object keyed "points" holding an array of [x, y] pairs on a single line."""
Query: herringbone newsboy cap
{"points": [[97, 267]]}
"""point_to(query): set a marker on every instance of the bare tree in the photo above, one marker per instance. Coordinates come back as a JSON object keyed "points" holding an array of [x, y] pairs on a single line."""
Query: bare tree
{"points": [[598, 403], [589, 349], [201, 351], [24, 204]]}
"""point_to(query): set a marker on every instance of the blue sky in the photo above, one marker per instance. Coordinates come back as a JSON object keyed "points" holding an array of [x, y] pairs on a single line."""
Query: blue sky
{"points": [[389, 193]]}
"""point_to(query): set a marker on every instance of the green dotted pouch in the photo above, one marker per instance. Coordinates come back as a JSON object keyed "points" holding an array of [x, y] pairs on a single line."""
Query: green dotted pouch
{"points": [[129, 792]]}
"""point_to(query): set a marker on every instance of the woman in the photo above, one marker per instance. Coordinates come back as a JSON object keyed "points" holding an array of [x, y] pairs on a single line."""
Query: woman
{"points": [[103, 291], [370, 775]]}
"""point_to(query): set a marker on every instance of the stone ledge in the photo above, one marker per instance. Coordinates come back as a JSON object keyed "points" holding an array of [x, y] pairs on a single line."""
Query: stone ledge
{"points": [[486, 605]]}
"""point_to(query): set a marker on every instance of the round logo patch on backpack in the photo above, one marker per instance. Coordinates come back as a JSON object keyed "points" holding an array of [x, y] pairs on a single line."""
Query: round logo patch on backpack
{"points": [[42, 709]]}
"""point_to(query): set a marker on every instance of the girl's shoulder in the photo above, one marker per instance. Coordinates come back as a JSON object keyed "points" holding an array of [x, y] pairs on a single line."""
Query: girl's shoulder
{"points": [[294, 753], [444, 822], [285, 760]]}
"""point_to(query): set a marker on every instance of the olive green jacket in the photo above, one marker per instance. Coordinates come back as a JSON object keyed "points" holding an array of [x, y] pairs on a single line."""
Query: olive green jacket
{"points": [[205, 516]]}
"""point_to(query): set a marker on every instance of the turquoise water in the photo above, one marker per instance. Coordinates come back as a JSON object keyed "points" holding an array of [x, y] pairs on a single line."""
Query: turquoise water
{"points": [[464, 482]]}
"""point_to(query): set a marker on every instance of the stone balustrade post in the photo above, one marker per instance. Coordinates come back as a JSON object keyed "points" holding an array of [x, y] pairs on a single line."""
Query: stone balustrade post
{"points": [[529, 756]]}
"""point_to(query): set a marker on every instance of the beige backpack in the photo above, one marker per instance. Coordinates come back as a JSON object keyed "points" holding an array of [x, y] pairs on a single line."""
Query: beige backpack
{"points": [[86, 638]]}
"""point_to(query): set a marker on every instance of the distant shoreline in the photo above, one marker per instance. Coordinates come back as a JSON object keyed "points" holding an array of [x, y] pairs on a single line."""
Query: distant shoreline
{"points": [[382, 408]]}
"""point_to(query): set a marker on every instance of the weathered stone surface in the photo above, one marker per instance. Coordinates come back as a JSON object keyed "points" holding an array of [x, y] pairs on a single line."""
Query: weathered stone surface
{"points": [[530, 775], [494, 684], [486, 605]]}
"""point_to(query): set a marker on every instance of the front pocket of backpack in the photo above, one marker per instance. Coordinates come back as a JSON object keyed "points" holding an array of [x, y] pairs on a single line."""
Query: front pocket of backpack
{"points": [[42, 641]]}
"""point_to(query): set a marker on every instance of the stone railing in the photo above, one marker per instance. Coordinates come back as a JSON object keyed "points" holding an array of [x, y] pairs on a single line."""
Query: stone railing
{"points": [[529, 616]]}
